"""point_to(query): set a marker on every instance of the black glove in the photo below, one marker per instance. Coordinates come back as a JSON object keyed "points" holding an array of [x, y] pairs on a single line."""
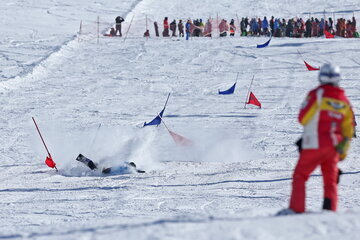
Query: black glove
{"points": [[299, 144]]}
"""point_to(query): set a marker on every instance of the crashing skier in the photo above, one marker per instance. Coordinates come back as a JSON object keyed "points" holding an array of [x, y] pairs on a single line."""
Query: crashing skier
{"points": [[131, 166]]}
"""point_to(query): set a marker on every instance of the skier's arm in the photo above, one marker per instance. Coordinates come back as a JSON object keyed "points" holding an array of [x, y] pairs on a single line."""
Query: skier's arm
{"points": [[347, 131], [348, 124], [308, 109]]}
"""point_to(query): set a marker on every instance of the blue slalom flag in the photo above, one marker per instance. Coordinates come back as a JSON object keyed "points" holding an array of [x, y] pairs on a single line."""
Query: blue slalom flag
{"points": [[157, 120], [264, 45], [229, 91]]}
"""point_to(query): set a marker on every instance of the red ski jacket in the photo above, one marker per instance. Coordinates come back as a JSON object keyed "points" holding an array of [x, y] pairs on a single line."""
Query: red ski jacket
{"points": [[327, 117], [166, 24]]}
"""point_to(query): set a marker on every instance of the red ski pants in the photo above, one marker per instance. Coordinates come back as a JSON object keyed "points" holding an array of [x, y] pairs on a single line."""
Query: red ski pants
{"points": [[327, 158]]}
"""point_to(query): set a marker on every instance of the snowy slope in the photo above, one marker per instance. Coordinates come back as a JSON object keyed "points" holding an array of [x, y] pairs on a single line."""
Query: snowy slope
{"points": [[227, 186]]}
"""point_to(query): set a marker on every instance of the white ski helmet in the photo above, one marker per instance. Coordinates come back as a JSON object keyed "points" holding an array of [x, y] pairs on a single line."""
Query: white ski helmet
{"points": [[329, 74]]}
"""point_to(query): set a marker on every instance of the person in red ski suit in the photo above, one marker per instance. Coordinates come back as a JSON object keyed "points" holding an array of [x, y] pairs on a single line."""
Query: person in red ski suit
{"points": [[166, 28], [329, 126]]}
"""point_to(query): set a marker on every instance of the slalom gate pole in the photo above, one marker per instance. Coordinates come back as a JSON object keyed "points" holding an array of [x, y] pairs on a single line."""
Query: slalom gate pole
{"points": [[217, 23], [237, 76], [80, 30], [167, 100], [98, 29], [42, 139], [211, 30], [162, 120], [300, 54], [146, 27], [247, 95], [129, 27], [164, 107]]}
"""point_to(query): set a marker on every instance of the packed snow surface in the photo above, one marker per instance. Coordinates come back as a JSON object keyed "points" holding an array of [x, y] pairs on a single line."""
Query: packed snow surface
{"points": [[92, 96]]}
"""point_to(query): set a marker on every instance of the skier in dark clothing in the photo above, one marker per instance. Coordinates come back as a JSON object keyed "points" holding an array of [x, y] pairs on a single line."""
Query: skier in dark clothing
{"points": [[126, 167], [118, 21], [308, 27], [272, 21], [232, 28], [246, 21], [173, 28], [112, 32], [331, 24], [289, 28], [181, 28], [242, 27]]}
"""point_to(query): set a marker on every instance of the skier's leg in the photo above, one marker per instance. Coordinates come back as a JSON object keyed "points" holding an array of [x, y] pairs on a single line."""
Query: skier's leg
{"points": [[307, 163], [330, 174]]}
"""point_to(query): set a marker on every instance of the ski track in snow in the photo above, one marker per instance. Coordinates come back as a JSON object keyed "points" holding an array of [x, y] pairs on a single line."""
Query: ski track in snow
{"points": [[228, 186]]}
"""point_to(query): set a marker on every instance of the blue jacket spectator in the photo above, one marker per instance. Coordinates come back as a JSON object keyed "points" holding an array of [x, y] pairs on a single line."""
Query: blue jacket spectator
{"points": [[265, 25], [188, 27]]}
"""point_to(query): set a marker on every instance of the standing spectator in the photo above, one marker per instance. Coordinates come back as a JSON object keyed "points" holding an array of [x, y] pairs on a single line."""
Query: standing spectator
{"points": [[181, 28], [207, 29], [254, 27], [331, 25], [232, 28], [315, 28], [223, 28], [265, 26], [321, 27], [272, 23], [327, 26], [259, 23], [342, 27], [353, 24], [197, 30], [302, 27], [349, 28], [277, 28], [173, 28], [118, 21], [246, 21], [308, 26], [289, 28], [283, 27], [166, 28], [243, 27], [201, 27], [328, 122], [296, 25], [188, 28]]}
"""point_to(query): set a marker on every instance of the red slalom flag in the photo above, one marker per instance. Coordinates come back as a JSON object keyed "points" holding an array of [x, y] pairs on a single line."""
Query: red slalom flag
{"points": [[253, 100], [310, 68], [50, 162], [328, 35], [180, 140]]}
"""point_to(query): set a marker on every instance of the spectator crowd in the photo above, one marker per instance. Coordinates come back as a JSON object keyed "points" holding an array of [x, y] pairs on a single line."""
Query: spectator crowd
{"points": [[276, 27]]}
